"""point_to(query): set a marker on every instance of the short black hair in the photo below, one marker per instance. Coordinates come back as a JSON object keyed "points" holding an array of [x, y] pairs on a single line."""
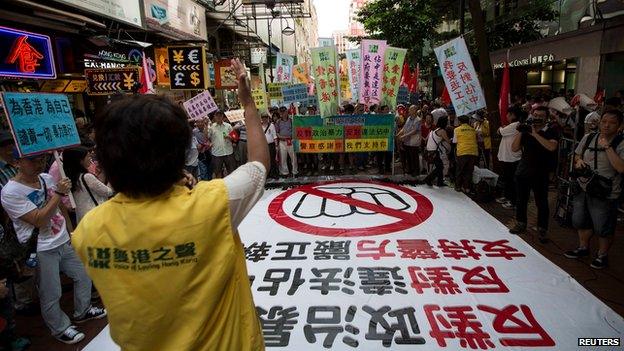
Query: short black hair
{"points": [[442, 122], [613, 101], [72, 164], [517, 111], [617, 113], [142, 142], [543, 109], [348, 108]]}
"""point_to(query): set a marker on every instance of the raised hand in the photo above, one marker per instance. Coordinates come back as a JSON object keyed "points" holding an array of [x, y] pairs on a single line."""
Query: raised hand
{"points": [[244, 92]]}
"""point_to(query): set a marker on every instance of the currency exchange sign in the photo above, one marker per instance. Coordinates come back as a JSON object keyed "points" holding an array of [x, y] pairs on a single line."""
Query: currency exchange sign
{"points": [[186, 67]]}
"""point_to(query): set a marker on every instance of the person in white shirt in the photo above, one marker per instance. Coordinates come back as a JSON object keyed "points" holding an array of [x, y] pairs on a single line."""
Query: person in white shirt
{"points": [[222, 147], [508, 157], [271, 136], [33, 202], [411, 137], [89, 192]]}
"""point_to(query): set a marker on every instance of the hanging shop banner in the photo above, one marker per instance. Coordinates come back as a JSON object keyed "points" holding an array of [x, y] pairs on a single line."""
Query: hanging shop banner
{"points": [[127, 11], [258, 56], [359, 133], [260, 98], [275, 91], [40, 122], [301, 73], [354, 65], [393, 64], [326, 79], [182, 19], [162, 66], [460, 77], [295, 93], [200, 106], [283, 67], [25, 55], [403, 95], [186, 67], [371, 76], [112, 80], [225, 78]]}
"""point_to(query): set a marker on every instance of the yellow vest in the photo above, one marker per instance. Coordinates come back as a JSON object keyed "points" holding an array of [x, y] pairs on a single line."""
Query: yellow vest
{"points": [[485, 133], [466, 137], [171, 271]]}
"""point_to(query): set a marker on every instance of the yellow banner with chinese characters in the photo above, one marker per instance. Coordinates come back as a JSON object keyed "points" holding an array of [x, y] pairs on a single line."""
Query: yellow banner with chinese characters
{"points": [[320, 146], [301, 72], [345, 88], [366, 145], [260, 98]]}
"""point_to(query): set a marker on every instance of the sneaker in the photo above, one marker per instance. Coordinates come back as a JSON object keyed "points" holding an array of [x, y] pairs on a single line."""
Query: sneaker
{"points": [[577, 253], [508, 206], [518, 228], [600, 262], [70, 336], [92, 313], [502, 200]]}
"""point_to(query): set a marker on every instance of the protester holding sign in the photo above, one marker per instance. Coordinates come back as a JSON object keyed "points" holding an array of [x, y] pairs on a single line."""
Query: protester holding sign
{"points": [[172, 269]]}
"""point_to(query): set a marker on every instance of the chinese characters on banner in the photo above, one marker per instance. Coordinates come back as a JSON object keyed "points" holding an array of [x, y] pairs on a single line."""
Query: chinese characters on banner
{"points": [[345, 89], [460, 77], [371, 133], [25, 55], [225, 78], [295, 93], [40, 122], [162, 66], [200, 106], [323, 42], [403, 95], [112, 80], [186, 67], [393, 64], [260, 98], [371, 76], [283, 67], [275, 91], [353, 61], [234, 116], [326, 79], [301, 73], [258, 56]]}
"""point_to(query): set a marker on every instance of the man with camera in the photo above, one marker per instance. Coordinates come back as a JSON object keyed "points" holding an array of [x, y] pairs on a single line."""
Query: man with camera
{"points": [[538, 142], [598, 166]]}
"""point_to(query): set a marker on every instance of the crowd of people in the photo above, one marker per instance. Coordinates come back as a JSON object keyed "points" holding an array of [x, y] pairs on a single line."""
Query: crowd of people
{"points": [[432, 145]]}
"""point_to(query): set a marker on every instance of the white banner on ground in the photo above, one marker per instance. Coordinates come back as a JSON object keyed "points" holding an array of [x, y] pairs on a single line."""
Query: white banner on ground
{"points": [[460, 77], [362, 265]]}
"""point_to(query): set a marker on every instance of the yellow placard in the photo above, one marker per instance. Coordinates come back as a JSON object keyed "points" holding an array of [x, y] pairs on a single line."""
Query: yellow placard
{"points": [[366, 145], [301, 72], [320, 146], [260, 98], [275, 91]]}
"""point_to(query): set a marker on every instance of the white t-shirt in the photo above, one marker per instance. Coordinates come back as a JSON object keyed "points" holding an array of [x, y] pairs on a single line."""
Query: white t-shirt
{"points": [[84, 202], [220, 145], [192, 153], [270, 133], [508, 133], [245, 186], [19, 199]]}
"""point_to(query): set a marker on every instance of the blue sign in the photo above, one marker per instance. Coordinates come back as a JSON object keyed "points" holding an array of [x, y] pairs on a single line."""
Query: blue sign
{"points": [[295, 93], [25, 55], [403, 96], [40, 122]]}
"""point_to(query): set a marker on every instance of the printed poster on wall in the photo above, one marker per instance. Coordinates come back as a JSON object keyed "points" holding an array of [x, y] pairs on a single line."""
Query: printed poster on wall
{"points": [[162, 66], [353, 62], [460, 77], [283, 66], [393, 64], [326, 79], [225, 78], [371, 77]]}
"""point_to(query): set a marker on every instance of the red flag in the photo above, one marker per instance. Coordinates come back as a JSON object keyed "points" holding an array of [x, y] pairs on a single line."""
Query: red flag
{"points": [[503, 100], [599, 97], [405, 76], [146, 78], [413, 85], [446, 98]]}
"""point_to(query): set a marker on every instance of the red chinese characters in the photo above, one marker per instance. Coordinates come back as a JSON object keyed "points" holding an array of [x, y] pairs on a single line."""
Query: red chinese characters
{"points": [[25, 55]]}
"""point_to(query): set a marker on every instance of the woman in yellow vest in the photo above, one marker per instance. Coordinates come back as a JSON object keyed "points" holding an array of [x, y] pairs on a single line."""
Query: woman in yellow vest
{"points": [[465, 137], [167, 259]]}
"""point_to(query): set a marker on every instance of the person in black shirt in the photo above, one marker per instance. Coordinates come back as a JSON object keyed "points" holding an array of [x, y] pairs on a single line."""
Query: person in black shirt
{"points": [[538, 142]]}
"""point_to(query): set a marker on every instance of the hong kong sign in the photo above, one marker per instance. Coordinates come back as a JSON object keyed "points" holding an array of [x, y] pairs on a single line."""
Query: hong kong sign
{"points": [[25, 55], [112, 80], [186, 67]]}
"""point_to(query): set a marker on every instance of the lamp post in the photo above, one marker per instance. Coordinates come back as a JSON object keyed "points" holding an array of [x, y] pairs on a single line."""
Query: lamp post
{"points": [[286, 31]]}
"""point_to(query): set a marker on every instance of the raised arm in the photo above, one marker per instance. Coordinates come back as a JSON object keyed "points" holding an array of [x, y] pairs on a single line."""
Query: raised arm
{"points": [[257, 148]]}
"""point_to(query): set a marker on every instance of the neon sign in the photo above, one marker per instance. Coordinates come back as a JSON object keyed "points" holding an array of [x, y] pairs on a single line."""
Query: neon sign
{"points": [[25, 54]]}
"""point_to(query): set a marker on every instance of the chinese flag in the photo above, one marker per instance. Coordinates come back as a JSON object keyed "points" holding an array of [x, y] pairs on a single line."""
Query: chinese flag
{"points": [[446, 98], [405, 76], [503, 100], [413, 86]]}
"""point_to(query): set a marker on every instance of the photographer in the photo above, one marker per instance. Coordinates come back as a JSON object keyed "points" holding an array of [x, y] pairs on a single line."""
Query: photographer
{"points": [[538, 142], [599, 164]]}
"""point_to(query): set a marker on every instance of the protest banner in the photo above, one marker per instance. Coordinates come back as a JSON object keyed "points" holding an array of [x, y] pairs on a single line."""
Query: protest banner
{"points": [[295, 93], [371, 76], [353, 61], [108, 81], [258, 55], [460, 77], [326, 79], [40, 122], [234, 116], [186, 67], [345, 89], [200, 106], [260, 99], [275, 91], [403, 95], [301, 73], [283, 67], [393, 62], [324, 42], [225, 78]]}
